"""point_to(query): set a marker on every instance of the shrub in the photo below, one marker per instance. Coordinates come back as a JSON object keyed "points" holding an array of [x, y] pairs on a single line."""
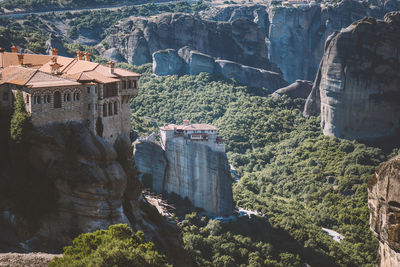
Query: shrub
{"points": [[20, 121], [117, 246]]}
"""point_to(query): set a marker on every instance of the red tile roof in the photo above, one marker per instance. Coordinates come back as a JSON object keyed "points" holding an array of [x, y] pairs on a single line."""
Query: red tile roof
{"points": [[190, 127]]}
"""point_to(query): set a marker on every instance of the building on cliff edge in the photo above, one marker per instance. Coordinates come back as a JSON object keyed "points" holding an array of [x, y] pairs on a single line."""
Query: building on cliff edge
{"points": [[190, 162], [204, 133], [61, 89]]}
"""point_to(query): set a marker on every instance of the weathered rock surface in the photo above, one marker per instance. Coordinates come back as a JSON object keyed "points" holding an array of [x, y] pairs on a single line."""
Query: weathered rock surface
{"points": [[88, 179], [296, 35], [357, 88], [384, 206], [188, 61], [250, 76], [298, 89], [137, 38], [151, 163], [55, 41], [194, 171]]}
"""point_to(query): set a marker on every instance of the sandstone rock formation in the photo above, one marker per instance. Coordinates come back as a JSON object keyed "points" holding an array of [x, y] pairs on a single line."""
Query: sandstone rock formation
{"points": [[137, 38], [188, 61], [298, 89], [357, 88], [384, 206], [193, 170], [296, 35]]}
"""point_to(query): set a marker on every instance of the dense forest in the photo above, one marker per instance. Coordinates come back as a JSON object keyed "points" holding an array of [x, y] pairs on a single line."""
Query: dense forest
{"points": [[301, 180]]}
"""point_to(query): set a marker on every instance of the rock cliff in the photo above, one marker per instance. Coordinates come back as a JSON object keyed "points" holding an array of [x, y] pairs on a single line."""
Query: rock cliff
{"points": [[384, 206], [137, 38], [188, 61], [296, 35], [192, 170], [357, 88], [73, 182]]}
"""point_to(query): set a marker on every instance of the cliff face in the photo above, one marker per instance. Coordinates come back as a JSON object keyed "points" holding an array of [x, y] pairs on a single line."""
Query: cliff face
{"points": [[357, 88], [193, 170], [188, 61], [137, 38], [296, 36], [87, 178], [384, 206]]}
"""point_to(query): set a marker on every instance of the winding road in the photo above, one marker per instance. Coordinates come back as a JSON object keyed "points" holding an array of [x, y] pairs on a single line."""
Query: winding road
{"points": [[110, 7]]}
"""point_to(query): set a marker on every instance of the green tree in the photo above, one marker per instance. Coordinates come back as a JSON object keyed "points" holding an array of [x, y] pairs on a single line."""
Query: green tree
{"points": [[20, 121], [117, 246]]}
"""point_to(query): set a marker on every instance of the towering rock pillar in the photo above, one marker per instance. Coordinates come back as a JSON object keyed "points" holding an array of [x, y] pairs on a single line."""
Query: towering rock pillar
{"points": [[384, 206]]}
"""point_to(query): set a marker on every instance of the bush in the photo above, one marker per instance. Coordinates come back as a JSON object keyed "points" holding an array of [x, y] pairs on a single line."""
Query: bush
{"points": [[117, 246]]}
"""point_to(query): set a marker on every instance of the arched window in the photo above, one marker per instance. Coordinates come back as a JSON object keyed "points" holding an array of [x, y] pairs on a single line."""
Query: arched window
{"points": [[105, 110], [27, 99], [115, 108], [46, 99], [110, 106], [76, 96], [67, 97], [36, 99], [57, 99]]}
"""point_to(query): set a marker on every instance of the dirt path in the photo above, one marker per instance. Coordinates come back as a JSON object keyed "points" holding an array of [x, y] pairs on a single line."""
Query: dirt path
{"points": [[26, 260]]}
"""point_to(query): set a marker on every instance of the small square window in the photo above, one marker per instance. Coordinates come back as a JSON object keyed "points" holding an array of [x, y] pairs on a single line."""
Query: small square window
{"points": [[88, 106]]}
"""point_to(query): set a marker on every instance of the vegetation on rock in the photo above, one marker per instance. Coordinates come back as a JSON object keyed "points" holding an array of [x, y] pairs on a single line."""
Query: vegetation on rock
{"points": [[301, 179], [117, 246], [20, 121]]}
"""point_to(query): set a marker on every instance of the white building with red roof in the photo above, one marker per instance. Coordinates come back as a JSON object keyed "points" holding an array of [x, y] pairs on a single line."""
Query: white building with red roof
{"points": [[204, 133]]}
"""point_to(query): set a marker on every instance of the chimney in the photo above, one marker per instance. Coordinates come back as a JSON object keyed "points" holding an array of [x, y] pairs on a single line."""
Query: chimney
{"points": [[186, 122], [79, 55], [2, 57], [54, 52], [14, 49], [87, 56], [21, 59], [111, 64]]}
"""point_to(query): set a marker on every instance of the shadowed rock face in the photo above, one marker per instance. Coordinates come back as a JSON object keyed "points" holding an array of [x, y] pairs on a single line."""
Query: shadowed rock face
{"points": [[89, 180], [384, 206], [137, 38], [357, 88]]}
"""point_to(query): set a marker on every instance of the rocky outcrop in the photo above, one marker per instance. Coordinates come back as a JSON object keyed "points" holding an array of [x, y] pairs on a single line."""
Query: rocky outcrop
{"points": [[357, 88], [384, 206], [137, 38], [188, 61], [193, 171], [298, 89], [55, 41], [87, 177], [296, 35]]}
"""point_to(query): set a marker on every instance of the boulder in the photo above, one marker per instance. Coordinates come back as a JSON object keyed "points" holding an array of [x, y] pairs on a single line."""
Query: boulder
{"points": [[298, 89], [196, 62], [167, 62], [384, 207], [250, 76], [357, 88]]}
